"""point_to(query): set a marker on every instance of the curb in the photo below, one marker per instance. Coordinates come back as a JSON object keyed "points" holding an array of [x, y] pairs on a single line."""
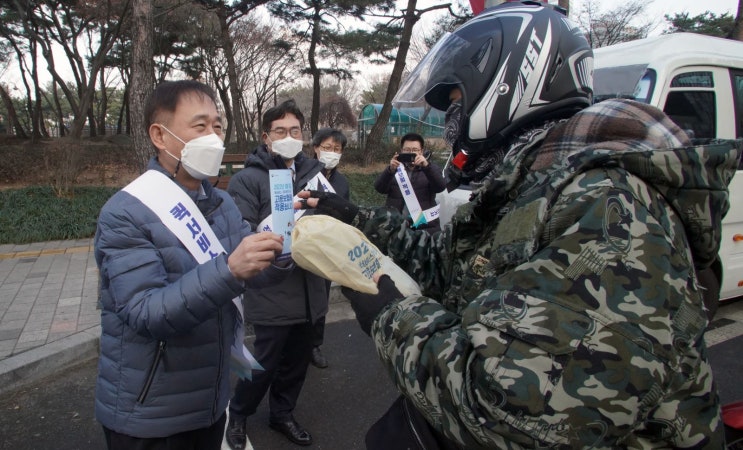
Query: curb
{"points": [[33, 365], [40, 362]]}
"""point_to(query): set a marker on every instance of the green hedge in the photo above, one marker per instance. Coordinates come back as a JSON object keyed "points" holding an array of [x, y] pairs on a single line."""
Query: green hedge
{"points": [[36, 214]]}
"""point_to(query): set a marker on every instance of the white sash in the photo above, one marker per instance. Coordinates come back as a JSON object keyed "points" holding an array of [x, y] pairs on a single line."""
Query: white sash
{"points": [[318, 180], [182, 217], [411, 201]]}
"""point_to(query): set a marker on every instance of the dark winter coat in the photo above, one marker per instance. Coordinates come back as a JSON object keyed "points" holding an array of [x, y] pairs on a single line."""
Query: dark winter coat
{"points": [[302, 297], [426, 181], [339, 183]]}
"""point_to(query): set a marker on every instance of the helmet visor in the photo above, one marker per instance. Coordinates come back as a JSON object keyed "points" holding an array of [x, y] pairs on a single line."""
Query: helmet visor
{"points": [[433, 72]]}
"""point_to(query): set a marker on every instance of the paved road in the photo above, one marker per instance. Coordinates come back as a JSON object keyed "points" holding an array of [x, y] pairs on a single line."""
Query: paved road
{"points": [[337, 405]]}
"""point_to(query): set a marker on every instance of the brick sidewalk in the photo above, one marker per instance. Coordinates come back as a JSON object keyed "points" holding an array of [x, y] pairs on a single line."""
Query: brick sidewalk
{"points": [[49, 316], [48, 291]]}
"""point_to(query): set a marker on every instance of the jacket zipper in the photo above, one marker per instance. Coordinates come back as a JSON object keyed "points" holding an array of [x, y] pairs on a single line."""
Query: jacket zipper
{"points": [[151, 373], [219, 363], [417, 437]]}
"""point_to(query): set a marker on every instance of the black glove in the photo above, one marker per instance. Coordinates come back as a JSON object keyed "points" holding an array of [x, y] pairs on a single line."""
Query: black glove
{"points": [[368, 306], [335, 206]]}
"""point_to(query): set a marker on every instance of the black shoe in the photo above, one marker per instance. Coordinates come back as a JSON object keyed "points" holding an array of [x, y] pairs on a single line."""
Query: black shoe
{"points": [[236, 436], [318, 359], [293, 431]]}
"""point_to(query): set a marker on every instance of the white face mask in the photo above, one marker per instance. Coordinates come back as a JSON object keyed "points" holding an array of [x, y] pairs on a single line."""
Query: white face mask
{"points": [[330, 159], [288, 147], [202, 156]]}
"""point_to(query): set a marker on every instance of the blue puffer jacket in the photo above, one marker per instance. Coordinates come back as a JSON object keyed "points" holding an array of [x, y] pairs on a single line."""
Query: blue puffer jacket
{"points": [[167, 322]]}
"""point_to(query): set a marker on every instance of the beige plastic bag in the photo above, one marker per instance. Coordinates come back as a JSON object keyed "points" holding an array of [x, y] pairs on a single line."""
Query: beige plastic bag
{"points": [[339, 252]]}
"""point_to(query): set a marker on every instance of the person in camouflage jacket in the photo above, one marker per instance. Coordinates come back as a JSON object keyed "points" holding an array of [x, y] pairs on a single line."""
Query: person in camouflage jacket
{"points": [[562, 306]]}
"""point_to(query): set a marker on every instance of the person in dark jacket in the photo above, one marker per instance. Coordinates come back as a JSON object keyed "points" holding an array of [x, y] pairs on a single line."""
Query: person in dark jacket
{"points": [[168, 321], [422, 175], [561, 307], [329, 144], [283, 316]]}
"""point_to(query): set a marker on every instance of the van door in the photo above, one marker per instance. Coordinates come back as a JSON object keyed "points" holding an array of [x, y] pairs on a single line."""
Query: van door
{"points": [[736, 77], [699, 99], [731, 250], [706, 101]]}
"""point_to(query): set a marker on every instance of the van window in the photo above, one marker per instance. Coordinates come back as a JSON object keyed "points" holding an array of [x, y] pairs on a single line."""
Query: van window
{"points": [[693, 110], [644, 88], [693, 79], [622, 82], [738, 93]]}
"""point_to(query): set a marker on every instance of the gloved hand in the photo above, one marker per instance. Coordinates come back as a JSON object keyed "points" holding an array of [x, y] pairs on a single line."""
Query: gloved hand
{"points": [[333, 205], [368, 306]]}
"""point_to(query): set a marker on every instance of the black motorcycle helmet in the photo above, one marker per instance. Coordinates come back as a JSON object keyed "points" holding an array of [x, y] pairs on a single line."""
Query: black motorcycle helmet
{"points": [[516, 64]]}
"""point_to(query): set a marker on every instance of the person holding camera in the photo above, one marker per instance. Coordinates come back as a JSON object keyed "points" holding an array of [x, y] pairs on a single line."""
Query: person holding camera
{"points": [[411, 183]]}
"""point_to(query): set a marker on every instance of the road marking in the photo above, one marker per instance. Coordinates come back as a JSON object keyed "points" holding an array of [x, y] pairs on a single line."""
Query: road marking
{"points": [[45, 252], [727, 324]]}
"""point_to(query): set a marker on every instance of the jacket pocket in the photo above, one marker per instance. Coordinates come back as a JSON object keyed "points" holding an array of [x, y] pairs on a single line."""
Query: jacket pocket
{"points": [[522, 346], [151, 372], [558, 375]]}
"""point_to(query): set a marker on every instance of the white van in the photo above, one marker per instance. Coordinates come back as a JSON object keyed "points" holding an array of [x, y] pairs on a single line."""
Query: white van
{"points": [[698, 81]]}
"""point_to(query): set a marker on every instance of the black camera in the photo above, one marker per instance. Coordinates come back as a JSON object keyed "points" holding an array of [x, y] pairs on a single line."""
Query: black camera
{"points": [[406, 157]]}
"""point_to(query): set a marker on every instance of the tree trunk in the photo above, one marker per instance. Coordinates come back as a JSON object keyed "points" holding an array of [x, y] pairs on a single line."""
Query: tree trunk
{"points": [[35, 104], [84, 113], [143, 78], [12, 116], [222, 93], [127, 114], [107, 39], [122, 111], [103, 104], [377, 131], [229, 54], [315, 72], [58, 110], [92, 127], [737, 31]]}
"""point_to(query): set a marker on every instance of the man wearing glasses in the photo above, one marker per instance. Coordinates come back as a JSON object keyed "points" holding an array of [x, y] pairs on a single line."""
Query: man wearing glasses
{"points": [[411, 183], [284, 315]]}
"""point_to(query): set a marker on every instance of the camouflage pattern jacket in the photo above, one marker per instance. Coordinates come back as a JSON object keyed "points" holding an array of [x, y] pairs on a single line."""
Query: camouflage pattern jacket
{"points": [[561, 305]]}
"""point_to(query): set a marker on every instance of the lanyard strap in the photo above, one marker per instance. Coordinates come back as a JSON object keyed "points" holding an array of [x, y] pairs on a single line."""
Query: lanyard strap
{"points": [[178, 213], [419, 216], [183, 218]]}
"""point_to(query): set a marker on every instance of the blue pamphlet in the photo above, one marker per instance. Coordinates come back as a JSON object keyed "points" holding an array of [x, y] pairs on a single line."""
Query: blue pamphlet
{"points": [[282, 205]]}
